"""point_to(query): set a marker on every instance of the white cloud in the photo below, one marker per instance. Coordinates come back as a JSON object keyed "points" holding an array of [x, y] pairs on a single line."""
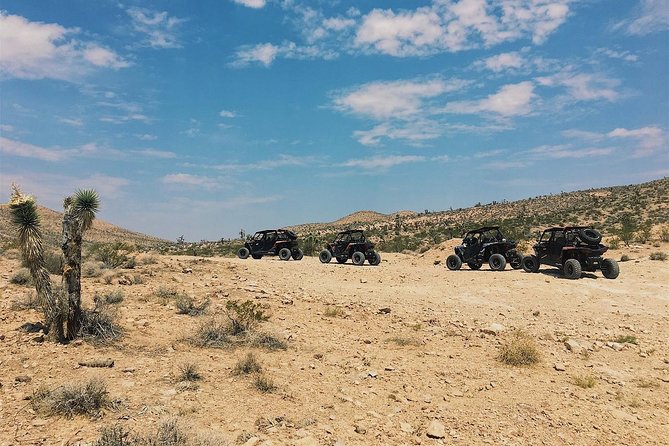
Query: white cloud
{"points": [[383, 162], [397, 99], [567, 151], [147, 137], [227, 114], [510, 100], [627, 56], [185, 179], [263, 53], [74, 122], [153, 153], [159, 29], [649, 17], [414, 132], [17, 148], [649, 140], [255, 4], [36, 50], [583, 86], [281, 161], [503, 165], [6, 128], [504, 61]]}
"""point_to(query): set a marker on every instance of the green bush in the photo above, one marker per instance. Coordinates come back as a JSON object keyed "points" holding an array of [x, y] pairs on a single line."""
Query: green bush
{"points": [[21, 277], [658, 256]]}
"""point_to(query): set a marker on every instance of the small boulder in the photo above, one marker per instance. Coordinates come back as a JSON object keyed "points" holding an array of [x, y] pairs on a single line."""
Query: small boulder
{"points": [[436, 429], [493, 329]]}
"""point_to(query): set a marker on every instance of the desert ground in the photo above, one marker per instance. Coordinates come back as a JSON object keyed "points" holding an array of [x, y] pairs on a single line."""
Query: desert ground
{"points": [[403, 353]]}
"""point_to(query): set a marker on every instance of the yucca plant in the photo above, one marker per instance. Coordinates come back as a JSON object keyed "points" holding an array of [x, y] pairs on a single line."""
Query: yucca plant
{"points": [[79, 213], [26, 220]]}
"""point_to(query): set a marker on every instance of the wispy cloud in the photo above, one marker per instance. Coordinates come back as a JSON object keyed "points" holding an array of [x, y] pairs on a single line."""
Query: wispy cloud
{"points": [[159, 29], [74, 122], [265, 53], [583, 86], [186, 179], [153, 153], [645, 141], [270, 164], [510, 100], [255, 4], [382, 162], [648, 17], [36, 50]]}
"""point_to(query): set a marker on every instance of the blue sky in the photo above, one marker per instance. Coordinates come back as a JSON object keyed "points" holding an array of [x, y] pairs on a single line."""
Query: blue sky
{"points": [[201, 118]]}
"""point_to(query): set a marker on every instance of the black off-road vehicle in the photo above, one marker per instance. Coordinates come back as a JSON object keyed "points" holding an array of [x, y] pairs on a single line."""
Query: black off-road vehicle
{"points": [[482, 245], [272, 242], [573, 249], [350, 245]]}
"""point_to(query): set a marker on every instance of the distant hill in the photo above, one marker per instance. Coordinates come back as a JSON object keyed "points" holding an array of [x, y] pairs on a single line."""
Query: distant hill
{"points": [[52, 224], [647, 204]]}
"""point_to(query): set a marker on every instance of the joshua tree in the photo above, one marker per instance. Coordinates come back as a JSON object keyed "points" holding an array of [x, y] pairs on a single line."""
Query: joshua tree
{"points": [[26, 220], [79, 214]]}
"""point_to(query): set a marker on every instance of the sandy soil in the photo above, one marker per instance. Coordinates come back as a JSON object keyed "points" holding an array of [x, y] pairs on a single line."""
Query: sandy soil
{"points": [[364, 376]]}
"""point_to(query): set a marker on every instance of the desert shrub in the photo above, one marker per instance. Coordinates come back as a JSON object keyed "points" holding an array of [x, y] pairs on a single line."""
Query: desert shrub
{"points": [[664, 234], [28, 301], [111, 255], [169, 433], [189, 372], [268, 341], [99, 324], [53, 261], [131, 263], [333, 312], [658, 256], [186, 305], [21, 277], [147, 259], [91, 269], [520, 349], [584, 381], [165, 292], [247, 365], [244, 316], [625, 258], [614, 243], [72, 399], [113, 297], [212, 333], [264, 384], [626, 339], [114, 435]]}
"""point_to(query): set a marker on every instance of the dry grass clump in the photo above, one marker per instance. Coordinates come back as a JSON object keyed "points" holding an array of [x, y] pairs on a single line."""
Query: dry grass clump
{"points": [[99, 324], [404, 341], [645, 383], [625, 258], [264, 384], [247, 365], [189, 372], [268, 341], [658, 256], [334, 312], [113, 297], [21, 277], [626, 339], [91, 269], [519, 350], [72, 399], [169, 433], [213, 333], [165, 292], [186, 305], [584, 381], [28, 301]]}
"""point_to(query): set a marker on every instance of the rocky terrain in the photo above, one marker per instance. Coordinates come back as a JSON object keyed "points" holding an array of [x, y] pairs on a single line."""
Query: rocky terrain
{"points": [[404, 353]]}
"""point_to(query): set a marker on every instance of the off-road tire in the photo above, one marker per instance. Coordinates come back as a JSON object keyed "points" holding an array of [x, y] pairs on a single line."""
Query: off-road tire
{"points": [[590, 236], [243, 253], [375, 258], [531, 264], [284, 254], [497, 262], [342, 259], [256, 256], [453, 262], [610, 268], [358, 258], [325, 256], [572, 269], [516, 261], [474, 265], [297, 254]]}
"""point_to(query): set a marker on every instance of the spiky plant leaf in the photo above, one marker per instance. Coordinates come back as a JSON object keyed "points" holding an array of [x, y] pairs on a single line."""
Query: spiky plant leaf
{"points": [[86, 204], [25, 218]]}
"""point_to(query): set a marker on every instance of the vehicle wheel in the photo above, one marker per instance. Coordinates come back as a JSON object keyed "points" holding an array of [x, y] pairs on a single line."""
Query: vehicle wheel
{"points": [[298, 254], [453, 262], [590, 236], [375, 259], [256, 256], [516, 261], [325, 256], [243, 253], [284, 254], [358, 258], [572, 269], [610, 268], [342, 259], [474, 265], [497, 262], [531, 264]]}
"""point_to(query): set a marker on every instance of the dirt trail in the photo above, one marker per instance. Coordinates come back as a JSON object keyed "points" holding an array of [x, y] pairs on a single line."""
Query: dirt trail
{"points": [[405, 348]]}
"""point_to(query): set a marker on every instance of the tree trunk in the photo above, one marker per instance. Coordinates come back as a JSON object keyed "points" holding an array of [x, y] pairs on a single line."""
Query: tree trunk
{"points": [[51, 303], [72, 237]]}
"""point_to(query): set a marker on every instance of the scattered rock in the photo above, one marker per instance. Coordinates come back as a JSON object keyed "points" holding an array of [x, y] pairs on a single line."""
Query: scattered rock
{"points": [[99, 362], [406, 427], [384, 310], [363, 280], [572, 346], [493, 329], [23, 379], [559, 367], [437, 262], [360, 428], [436, 429], [615, 346], [253, 441], [187, 271], [306, 441], [372, 374]]}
